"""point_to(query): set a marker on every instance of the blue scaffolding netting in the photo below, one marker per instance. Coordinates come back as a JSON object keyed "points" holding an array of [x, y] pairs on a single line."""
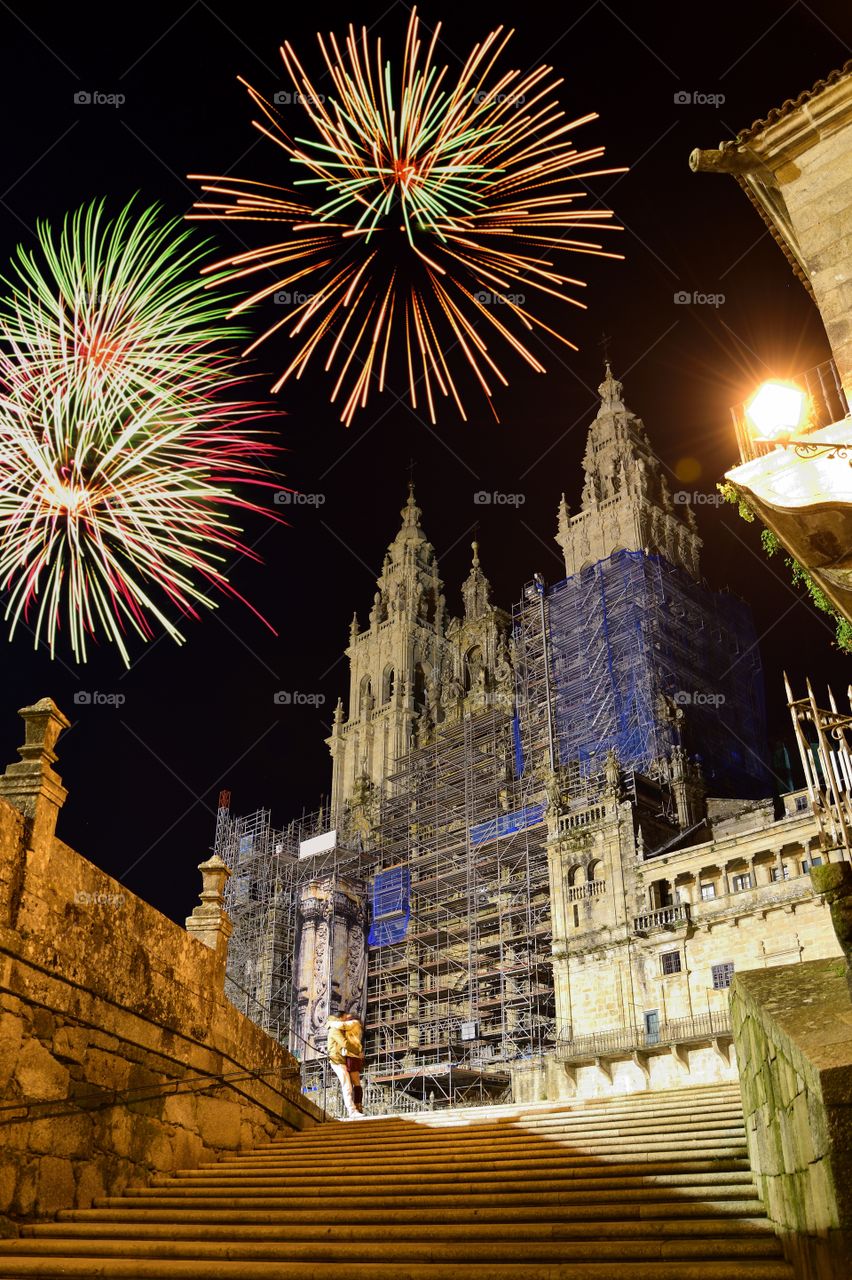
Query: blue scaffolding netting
{"points": [[507, 823], [632, 641], [391, 907]]}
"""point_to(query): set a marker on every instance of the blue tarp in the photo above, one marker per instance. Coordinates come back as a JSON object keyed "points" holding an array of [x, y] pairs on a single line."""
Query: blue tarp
{"points": [[507, 823], [391, 907]]}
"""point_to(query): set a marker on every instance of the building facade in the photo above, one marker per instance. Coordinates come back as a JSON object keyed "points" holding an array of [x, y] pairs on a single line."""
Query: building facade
{"points": [[563, 818]]}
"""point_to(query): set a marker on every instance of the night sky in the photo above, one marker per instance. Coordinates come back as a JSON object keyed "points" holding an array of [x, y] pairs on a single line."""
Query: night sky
{"points": [[144, 777]]}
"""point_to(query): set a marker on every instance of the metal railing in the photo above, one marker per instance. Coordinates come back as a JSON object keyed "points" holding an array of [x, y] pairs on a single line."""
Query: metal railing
{"points": [[670, 917], [620, 1040], [827, 404]]}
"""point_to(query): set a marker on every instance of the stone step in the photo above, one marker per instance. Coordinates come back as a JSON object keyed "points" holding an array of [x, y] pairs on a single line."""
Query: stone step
{"points": [[180, 1230], [415, 1130], [215, 1269], [355, 1156], [647, 1187], [354, 1139], [455, 1197], [664, 1210], [578, 1177], [476, 1251], [635, 1104], [460, 1188], [674, 1170]]}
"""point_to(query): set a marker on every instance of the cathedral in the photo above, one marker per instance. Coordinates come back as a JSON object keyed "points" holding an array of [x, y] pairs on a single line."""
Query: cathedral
{"points": [[551, 838]]}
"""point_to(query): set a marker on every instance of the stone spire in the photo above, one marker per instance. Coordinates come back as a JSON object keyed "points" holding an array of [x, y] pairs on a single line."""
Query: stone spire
{"points": [[394, 664], [476, 589], [627, 504]]}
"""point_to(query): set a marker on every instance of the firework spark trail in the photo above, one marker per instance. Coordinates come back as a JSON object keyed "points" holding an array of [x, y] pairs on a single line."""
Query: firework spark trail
{"points": [[121, 442], [429, 194]]}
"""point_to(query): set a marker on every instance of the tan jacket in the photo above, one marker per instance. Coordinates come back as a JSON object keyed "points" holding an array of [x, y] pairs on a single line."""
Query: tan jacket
{"points": [[344, 1039]]}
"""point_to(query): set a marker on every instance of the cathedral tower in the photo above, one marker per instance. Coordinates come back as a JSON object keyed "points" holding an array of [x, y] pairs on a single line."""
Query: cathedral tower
{"points": [[414, 669], [394, 664], [626, 504]]}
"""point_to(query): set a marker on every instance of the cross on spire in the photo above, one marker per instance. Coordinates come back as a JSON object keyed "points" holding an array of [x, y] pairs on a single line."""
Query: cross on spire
{"points": [[605, 342]]}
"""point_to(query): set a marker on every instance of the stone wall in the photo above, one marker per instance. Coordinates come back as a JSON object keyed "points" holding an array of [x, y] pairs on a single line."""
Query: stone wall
{"points": [[793, 1035], [817, 189], [102, 995], [660, 1068]]}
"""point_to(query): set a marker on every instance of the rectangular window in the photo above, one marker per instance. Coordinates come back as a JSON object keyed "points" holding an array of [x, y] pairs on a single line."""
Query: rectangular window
{"points": [[670, 962], [783, 874], [739, 883], [722, 975], [801, 803], [816, 862], [708, 891]]}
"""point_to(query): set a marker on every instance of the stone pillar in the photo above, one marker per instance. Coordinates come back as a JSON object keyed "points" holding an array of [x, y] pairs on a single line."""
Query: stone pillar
{"points": [[31, 784], [209, 922]]}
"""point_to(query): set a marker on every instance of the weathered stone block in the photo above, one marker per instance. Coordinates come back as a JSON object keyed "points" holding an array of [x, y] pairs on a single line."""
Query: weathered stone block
{"points": [[11, 1035], [38, 1075], [69, 1044], [55, 1188], [219, 1122]]}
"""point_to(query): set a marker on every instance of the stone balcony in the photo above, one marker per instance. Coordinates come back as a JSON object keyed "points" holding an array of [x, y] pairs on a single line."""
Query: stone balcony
{"points": [[674, 916], [621, 1042], [593, 889]]}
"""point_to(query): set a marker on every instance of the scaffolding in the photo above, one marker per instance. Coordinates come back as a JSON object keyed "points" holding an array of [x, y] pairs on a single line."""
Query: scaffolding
{"points": [[632, 655], [468, 991], [459, 983]]}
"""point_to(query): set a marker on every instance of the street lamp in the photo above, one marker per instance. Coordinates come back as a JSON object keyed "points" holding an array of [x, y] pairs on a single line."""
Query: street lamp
{"points": [[778, 410]]}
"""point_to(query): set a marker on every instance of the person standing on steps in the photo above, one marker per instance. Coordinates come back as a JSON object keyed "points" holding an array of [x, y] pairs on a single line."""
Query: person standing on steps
{"points": [[346, 1057]]}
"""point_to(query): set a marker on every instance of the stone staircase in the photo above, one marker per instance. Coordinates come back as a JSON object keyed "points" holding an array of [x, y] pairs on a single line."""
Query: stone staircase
{"points": [[643, 1187]]}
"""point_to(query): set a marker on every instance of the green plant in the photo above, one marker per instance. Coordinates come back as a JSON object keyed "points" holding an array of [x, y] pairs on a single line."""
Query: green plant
{"points": [[798, 573]]}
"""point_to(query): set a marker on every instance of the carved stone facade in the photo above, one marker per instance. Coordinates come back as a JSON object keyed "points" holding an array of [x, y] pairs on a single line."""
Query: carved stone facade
{"points": [[627, 504], [330, 971], [413, 668]]}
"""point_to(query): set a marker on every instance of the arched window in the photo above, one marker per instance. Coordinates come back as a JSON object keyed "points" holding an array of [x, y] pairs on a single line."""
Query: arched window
{"points": [[387, 683], [576, 876], [595, 871], [472, 667], [419, 687], [365, 696]]}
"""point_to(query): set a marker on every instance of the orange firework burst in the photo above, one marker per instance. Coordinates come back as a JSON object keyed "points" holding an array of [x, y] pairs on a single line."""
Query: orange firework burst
{"points": [[439, 208]]}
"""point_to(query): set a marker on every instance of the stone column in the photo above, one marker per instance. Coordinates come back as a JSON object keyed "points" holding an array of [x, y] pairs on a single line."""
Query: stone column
{"points": [[31, 784], [209, 922]]}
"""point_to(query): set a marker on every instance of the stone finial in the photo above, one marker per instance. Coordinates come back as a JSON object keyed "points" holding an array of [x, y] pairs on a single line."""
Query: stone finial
{"points": [[31, 784], [209, 922]]}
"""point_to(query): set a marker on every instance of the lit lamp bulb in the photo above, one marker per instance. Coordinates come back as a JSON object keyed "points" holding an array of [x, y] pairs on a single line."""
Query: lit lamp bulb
{"points": [[777, 410]]}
